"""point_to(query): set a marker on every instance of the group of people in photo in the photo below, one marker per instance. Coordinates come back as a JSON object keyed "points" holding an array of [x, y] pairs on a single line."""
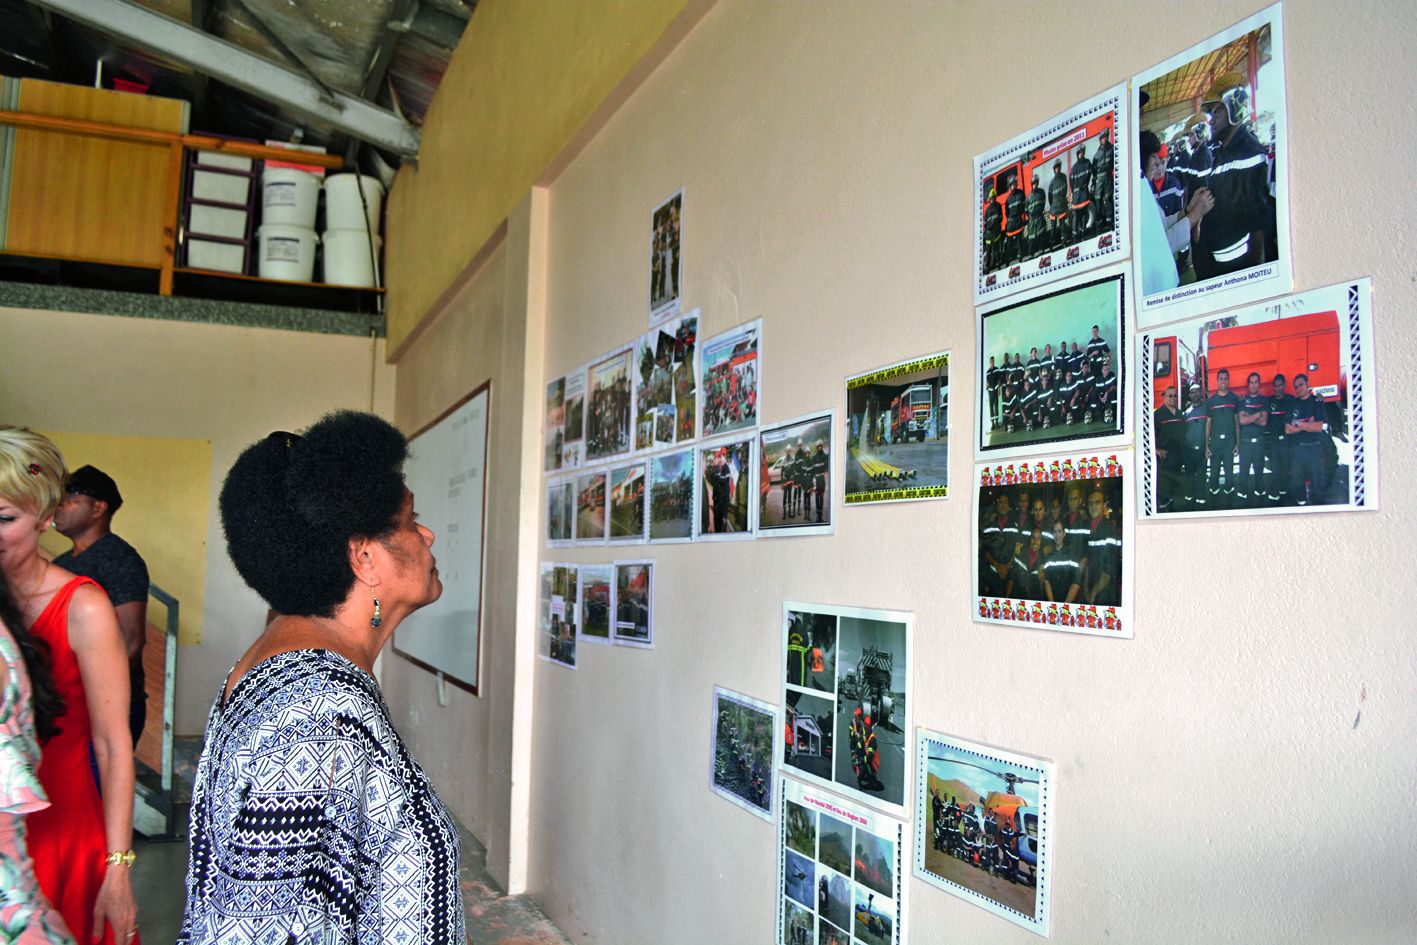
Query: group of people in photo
{"points": [[803, 473], [664, 255], [1076, 385], [730, 395], [608, 417], [1051, 542], [978, 839]]}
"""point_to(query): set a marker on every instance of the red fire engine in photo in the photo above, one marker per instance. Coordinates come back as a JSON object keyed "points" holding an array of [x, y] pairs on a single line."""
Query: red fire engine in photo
{"points": [[1040, 162]]}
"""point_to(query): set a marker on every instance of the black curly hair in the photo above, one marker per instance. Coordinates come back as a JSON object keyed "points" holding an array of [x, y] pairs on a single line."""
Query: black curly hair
{"points": [[45, 699], [291, 504]]}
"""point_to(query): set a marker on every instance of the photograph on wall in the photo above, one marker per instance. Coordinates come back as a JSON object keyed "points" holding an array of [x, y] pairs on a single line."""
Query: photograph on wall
{"points": [[1210, 221], [898, 432], [555, 420], [744, 746], [1261, 410], [1053, 543], [666, 383], [795, 476], [607, 412], [1053, 201], [665, 292], [590, 508], [726, 498], [840, 870], [558, 614], [594, 600], [573, 421], [731, 363], [626, 485], [987, 837], [560, 511], [1052, 367], [633, 604], [846, 707], [671, 496]]}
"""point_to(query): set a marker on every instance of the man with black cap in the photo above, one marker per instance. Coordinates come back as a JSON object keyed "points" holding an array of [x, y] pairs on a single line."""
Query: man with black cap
{"points": [[85, 517]]}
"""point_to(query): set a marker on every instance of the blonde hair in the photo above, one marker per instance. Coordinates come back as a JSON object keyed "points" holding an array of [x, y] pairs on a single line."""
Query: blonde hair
{"points": [[32, 471]]}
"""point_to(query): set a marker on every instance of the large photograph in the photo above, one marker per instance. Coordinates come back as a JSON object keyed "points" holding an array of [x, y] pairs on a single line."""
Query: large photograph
{"points": [[1053, 543], [1211, 215], [666, 383], [846, 675], [671, 496], [731, 363], [1052, 369], [727, 503], [795, 476], [898, 432], [607, 424], [988, 834], [664, 259], [744, 738], [1053, 201], [626, 485], [1261, 410], [634, 603], [590, 508]]}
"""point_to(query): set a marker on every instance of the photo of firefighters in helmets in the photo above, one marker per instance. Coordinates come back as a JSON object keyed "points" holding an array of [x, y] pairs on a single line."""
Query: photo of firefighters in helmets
{"points": [[633, 604], [731, 362], [666, 383], [1052, 368], [555, 419], [1053, 201], [557, 613], [627, 503], [607, 412], [985, 823], [845, 676], [594, 581], [794, 476], [671, 496], [590, 508], [898, 432], [744, 731], [560, 511], [1263, 409], [664, 262], [1053, 543], [726, 500], [840, 863], [1211, 212]]}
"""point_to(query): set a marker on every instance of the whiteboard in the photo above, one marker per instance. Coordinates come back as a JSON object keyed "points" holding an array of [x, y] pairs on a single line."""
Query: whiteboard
{"points": [[447, 473]]}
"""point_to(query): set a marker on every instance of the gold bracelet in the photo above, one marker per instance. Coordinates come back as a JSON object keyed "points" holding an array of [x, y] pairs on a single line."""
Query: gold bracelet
{"points": [[121, 858]]}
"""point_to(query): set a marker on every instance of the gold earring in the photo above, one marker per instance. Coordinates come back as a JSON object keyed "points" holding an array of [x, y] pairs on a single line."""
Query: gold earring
{"points": [[376, 621]]}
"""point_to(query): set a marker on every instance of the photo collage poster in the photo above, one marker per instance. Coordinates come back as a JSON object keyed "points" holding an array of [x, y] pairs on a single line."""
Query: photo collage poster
{"points": [[666, 383], [557, 614], [744, 744], [898, 433]]}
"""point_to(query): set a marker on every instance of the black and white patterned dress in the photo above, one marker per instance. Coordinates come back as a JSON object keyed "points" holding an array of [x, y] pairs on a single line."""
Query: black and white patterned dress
{"points": [[311, 822]]}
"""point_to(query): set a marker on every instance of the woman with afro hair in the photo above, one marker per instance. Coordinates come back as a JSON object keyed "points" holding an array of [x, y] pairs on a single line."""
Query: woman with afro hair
{"points": [[311, 822]]}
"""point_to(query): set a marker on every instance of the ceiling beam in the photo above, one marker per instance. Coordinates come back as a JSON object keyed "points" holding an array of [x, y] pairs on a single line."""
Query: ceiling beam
{"points": [[241, 69]]}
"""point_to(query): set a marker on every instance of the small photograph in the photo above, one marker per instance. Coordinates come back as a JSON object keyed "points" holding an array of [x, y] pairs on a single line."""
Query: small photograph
{"points": [[1053, 201], [595, 602], [988, 835], [731, 363], [560, 511], [1053, 369], [555, 420], [873, 917], [543, 612], [590, 508], [607, 412], [559, 624], [807, 744], [726, 505], [870, 709], [828, 934], [794, 476], [800, 829], [744, 731], [671, 497], [1053, 542], [798, 878], [898, 432], [627, 503], [834, 845], [833, 901], [1211, 217], [811, 651], [664, 268], [634, 603], [573, 421], [796, 924], [666, 383], [873, 862]]}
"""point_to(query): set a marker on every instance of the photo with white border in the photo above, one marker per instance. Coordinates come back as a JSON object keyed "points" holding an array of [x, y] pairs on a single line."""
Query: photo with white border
{"points": [[795, 489], [666, 235], [632, 604], [727, 489], [897, 429], [743, 746]]}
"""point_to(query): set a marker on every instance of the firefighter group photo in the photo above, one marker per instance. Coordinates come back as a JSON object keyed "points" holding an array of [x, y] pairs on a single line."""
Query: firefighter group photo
{"points": [[607, 413], [729, 392], [743, 734], [794, 479], [897, 432], [671, 496]]}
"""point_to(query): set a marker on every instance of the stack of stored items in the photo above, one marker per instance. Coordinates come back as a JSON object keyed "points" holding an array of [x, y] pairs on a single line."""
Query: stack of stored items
{"points": [[219, 211], [352, 206], [287, 234]]}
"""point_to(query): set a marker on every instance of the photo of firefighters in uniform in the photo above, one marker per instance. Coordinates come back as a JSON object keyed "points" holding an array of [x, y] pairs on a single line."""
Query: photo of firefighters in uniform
{"points": [[729, 392], [985, 820], [1251, 410], [664, 262], [725, 490], [1053, 369], [634, 603], [1049, 199], [560, 510], [594, 597], [559, 594], [671, 496], [607, 422], [590, 507], [1211, 206], [897, 432], [666, 384], [573, 421], [743, 734], [794, 477], [555, 419], [627, 503]]}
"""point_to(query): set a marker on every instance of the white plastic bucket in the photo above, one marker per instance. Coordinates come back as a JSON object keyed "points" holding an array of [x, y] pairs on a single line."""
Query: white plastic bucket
{"points": [[348, 260], [343, 208], [287, 252], [290, 197]]}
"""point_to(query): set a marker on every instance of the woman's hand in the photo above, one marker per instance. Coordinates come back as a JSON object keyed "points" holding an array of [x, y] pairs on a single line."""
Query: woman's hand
{"points": [[115, 905]]}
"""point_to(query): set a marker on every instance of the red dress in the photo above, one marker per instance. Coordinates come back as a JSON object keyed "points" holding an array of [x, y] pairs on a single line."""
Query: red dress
{"points": [[67, 841]]}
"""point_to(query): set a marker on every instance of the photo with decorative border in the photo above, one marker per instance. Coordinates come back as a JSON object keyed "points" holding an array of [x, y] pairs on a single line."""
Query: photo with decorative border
{"points": [[555, 418], [594, 599], [671, 497], [840, 869], [560, 511], [731, 363], [628, 495], [607, 411], [1046, 399], [1290, 431], [898, 432], [1210, 221], [558, 623], [590, 508], [795, 461], [744, 743], [666, 383], [633, 604], [846, 700], [1053, 201], [985, 826], [727, 476], [665, 262], [1053, 543], [573, 420]]}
